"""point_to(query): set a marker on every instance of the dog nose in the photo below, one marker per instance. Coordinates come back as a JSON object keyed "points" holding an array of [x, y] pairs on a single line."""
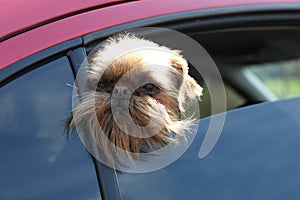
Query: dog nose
{"points": [[121, 91]]}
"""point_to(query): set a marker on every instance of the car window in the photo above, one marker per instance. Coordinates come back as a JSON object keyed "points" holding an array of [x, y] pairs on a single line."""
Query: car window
{"points": [[37, 159], [281, 78], [233, 100], [256, 157]]}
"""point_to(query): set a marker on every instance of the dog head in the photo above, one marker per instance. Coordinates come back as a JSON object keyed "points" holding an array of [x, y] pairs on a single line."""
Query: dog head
{"points": [[137, 92]]}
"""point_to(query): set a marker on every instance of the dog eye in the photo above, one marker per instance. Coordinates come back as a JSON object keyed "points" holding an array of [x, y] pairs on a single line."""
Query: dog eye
{"points": [[101, 87], [150, 89]]}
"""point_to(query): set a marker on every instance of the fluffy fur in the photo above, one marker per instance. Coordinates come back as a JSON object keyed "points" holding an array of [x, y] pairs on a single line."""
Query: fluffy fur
{"points": [[142, 121]]}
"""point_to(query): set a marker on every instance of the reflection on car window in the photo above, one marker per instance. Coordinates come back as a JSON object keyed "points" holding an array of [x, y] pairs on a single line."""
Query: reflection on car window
{"points": [[281, 78], [37, 159]]}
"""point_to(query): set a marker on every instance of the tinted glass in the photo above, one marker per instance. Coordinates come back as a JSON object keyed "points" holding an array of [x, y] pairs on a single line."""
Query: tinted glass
{"points": [[256, 157], [37, 160]]}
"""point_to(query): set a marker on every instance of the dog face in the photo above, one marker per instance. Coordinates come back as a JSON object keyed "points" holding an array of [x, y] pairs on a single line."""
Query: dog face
{"points": [[136, 93]]}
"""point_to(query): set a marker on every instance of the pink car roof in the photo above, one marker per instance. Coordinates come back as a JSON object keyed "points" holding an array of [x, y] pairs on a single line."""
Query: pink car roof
{"points": [[17, 15], [30, 26]]}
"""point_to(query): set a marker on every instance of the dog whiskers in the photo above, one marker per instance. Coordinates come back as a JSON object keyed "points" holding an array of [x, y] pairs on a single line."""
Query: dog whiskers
{"points": [[72, 86]]}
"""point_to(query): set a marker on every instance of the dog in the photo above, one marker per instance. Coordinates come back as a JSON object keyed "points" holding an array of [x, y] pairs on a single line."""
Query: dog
{"points": [[137, 92]]}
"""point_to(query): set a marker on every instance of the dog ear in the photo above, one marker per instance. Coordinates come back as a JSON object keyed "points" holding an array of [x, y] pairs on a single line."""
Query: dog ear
{"points": [[190, 92], [181, 68], [179, 63]]}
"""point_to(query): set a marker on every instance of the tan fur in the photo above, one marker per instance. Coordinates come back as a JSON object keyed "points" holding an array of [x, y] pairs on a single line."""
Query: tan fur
{"points": [[158, 119]]}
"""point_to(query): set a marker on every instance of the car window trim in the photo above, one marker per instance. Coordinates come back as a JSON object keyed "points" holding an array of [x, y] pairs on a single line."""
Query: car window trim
{"points": [[107, 178], [211, 19], [29, 63]]}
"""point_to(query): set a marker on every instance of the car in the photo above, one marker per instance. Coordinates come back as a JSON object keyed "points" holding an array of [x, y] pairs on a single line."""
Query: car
{"points": [[246, 140]]}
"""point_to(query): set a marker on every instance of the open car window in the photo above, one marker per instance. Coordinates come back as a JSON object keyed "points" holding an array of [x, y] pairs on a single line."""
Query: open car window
{"points": [[38, 161]]}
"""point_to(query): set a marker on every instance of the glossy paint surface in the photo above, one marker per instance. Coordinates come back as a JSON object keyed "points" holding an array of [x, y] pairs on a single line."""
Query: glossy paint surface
{"points": [[20, 16]]}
